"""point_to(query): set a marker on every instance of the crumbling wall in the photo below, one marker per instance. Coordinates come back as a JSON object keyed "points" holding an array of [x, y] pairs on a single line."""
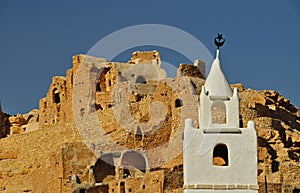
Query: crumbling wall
{"points": [[150, 182], [32, 161], [4, 124], [278, 127], [23, 123], [16, 123], [53, 106], [145, 57], [76, 160], [57, 106], [32, 119], [190, 71]]}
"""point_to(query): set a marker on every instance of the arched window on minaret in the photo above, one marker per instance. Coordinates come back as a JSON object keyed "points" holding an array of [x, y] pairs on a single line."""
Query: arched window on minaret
{"points": [[218, 113], [220, 155]]}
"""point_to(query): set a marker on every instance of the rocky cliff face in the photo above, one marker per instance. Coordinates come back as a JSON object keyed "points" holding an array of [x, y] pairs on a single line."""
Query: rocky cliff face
{"points": [[62, 147], [278, 126], [4, 124]]}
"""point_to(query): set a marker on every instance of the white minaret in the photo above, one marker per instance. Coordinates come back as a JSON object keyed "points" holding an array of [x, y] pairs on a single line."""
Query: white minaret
{"points": [[219, 156]]}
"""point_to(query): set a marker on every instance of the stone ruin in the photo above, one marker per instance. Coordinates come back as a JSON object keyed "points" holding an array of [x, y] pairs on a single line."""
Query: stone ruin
{"points": [[4, 123], [44, 151]]}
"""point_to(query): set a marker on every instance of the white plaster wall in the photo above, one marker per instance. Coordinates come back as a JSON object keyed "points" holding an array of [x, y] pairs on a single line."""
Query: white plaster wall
{"points": [[232, 111], [218, 191], [198, 165]]}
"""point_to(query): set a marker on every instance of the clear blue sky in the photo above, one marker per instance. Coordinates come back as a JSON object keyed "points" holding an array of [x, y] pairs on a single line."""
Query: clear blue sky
{"points": [[38, 39]]}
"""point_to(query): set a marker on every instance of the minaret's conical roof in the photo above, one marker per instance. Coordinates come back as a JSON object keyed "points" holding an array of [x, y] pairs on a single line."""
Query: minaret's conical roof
{"points": [[216, 83]]}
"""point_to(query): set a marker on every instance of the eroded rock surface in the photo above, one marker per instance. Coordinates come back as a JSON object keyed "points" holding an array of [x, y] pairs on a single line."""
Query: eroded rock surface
{"points": [[43, 150]]}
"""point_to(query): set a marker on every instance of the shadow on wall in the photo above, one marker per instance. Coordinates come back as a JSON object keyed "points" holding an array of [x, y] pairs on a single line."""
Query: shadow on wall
{"points": [[104, 168], [261, 142]]}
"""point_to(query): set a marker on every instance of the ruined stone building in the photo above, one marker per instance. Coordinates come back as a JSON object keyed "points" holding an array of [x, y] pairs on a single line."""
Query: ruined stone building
{"points": [[4, 123], [115, 127]]}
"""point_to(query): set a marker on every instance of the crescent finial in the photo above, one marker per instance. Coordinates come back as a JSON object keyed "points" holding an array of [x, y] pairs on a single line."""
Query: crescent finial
{"points": [[219, 40]]}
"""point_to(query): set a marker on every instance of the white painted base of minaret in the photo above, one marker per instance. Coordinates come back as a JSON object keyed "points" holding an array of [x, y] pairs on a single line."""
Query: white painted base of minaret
{"points": [[218, 191], [200, 175]]}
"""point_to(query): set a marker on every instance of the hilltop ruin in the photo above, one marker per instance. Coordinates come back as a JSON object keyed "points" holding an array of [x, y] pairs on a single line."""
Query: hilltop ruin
{"points": [[60, 147]]}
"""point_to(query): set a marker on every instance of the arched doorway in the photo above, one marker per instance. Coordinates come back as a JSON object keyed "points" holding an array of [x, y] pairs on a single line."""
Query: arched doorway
{"points": [[134, 164]]}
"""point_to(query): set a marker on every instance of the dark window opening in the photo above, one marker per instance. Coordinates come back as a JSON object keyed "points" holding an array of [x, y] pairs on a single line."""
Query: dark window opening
{"points": [[98, 88], [296, 190], [126, 173], [29, 117], [141, 79], [138, 134], [56, 97], [129, 190], [220, 155], [138, 97], [98, 106], [241, 122], [82, 191], [122, 187], [178, 103]]}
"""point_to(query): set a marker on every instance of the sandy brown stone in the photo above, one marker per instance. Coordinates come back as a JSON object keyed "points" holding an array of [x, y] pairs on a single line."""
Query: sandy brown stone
{"points": [[50, 151]]}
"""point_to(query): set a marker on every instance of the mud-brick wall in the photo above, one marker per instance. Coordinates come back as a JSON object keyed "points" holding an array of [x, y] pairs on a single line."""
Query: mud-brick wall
{"points": [[31, 160]]}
